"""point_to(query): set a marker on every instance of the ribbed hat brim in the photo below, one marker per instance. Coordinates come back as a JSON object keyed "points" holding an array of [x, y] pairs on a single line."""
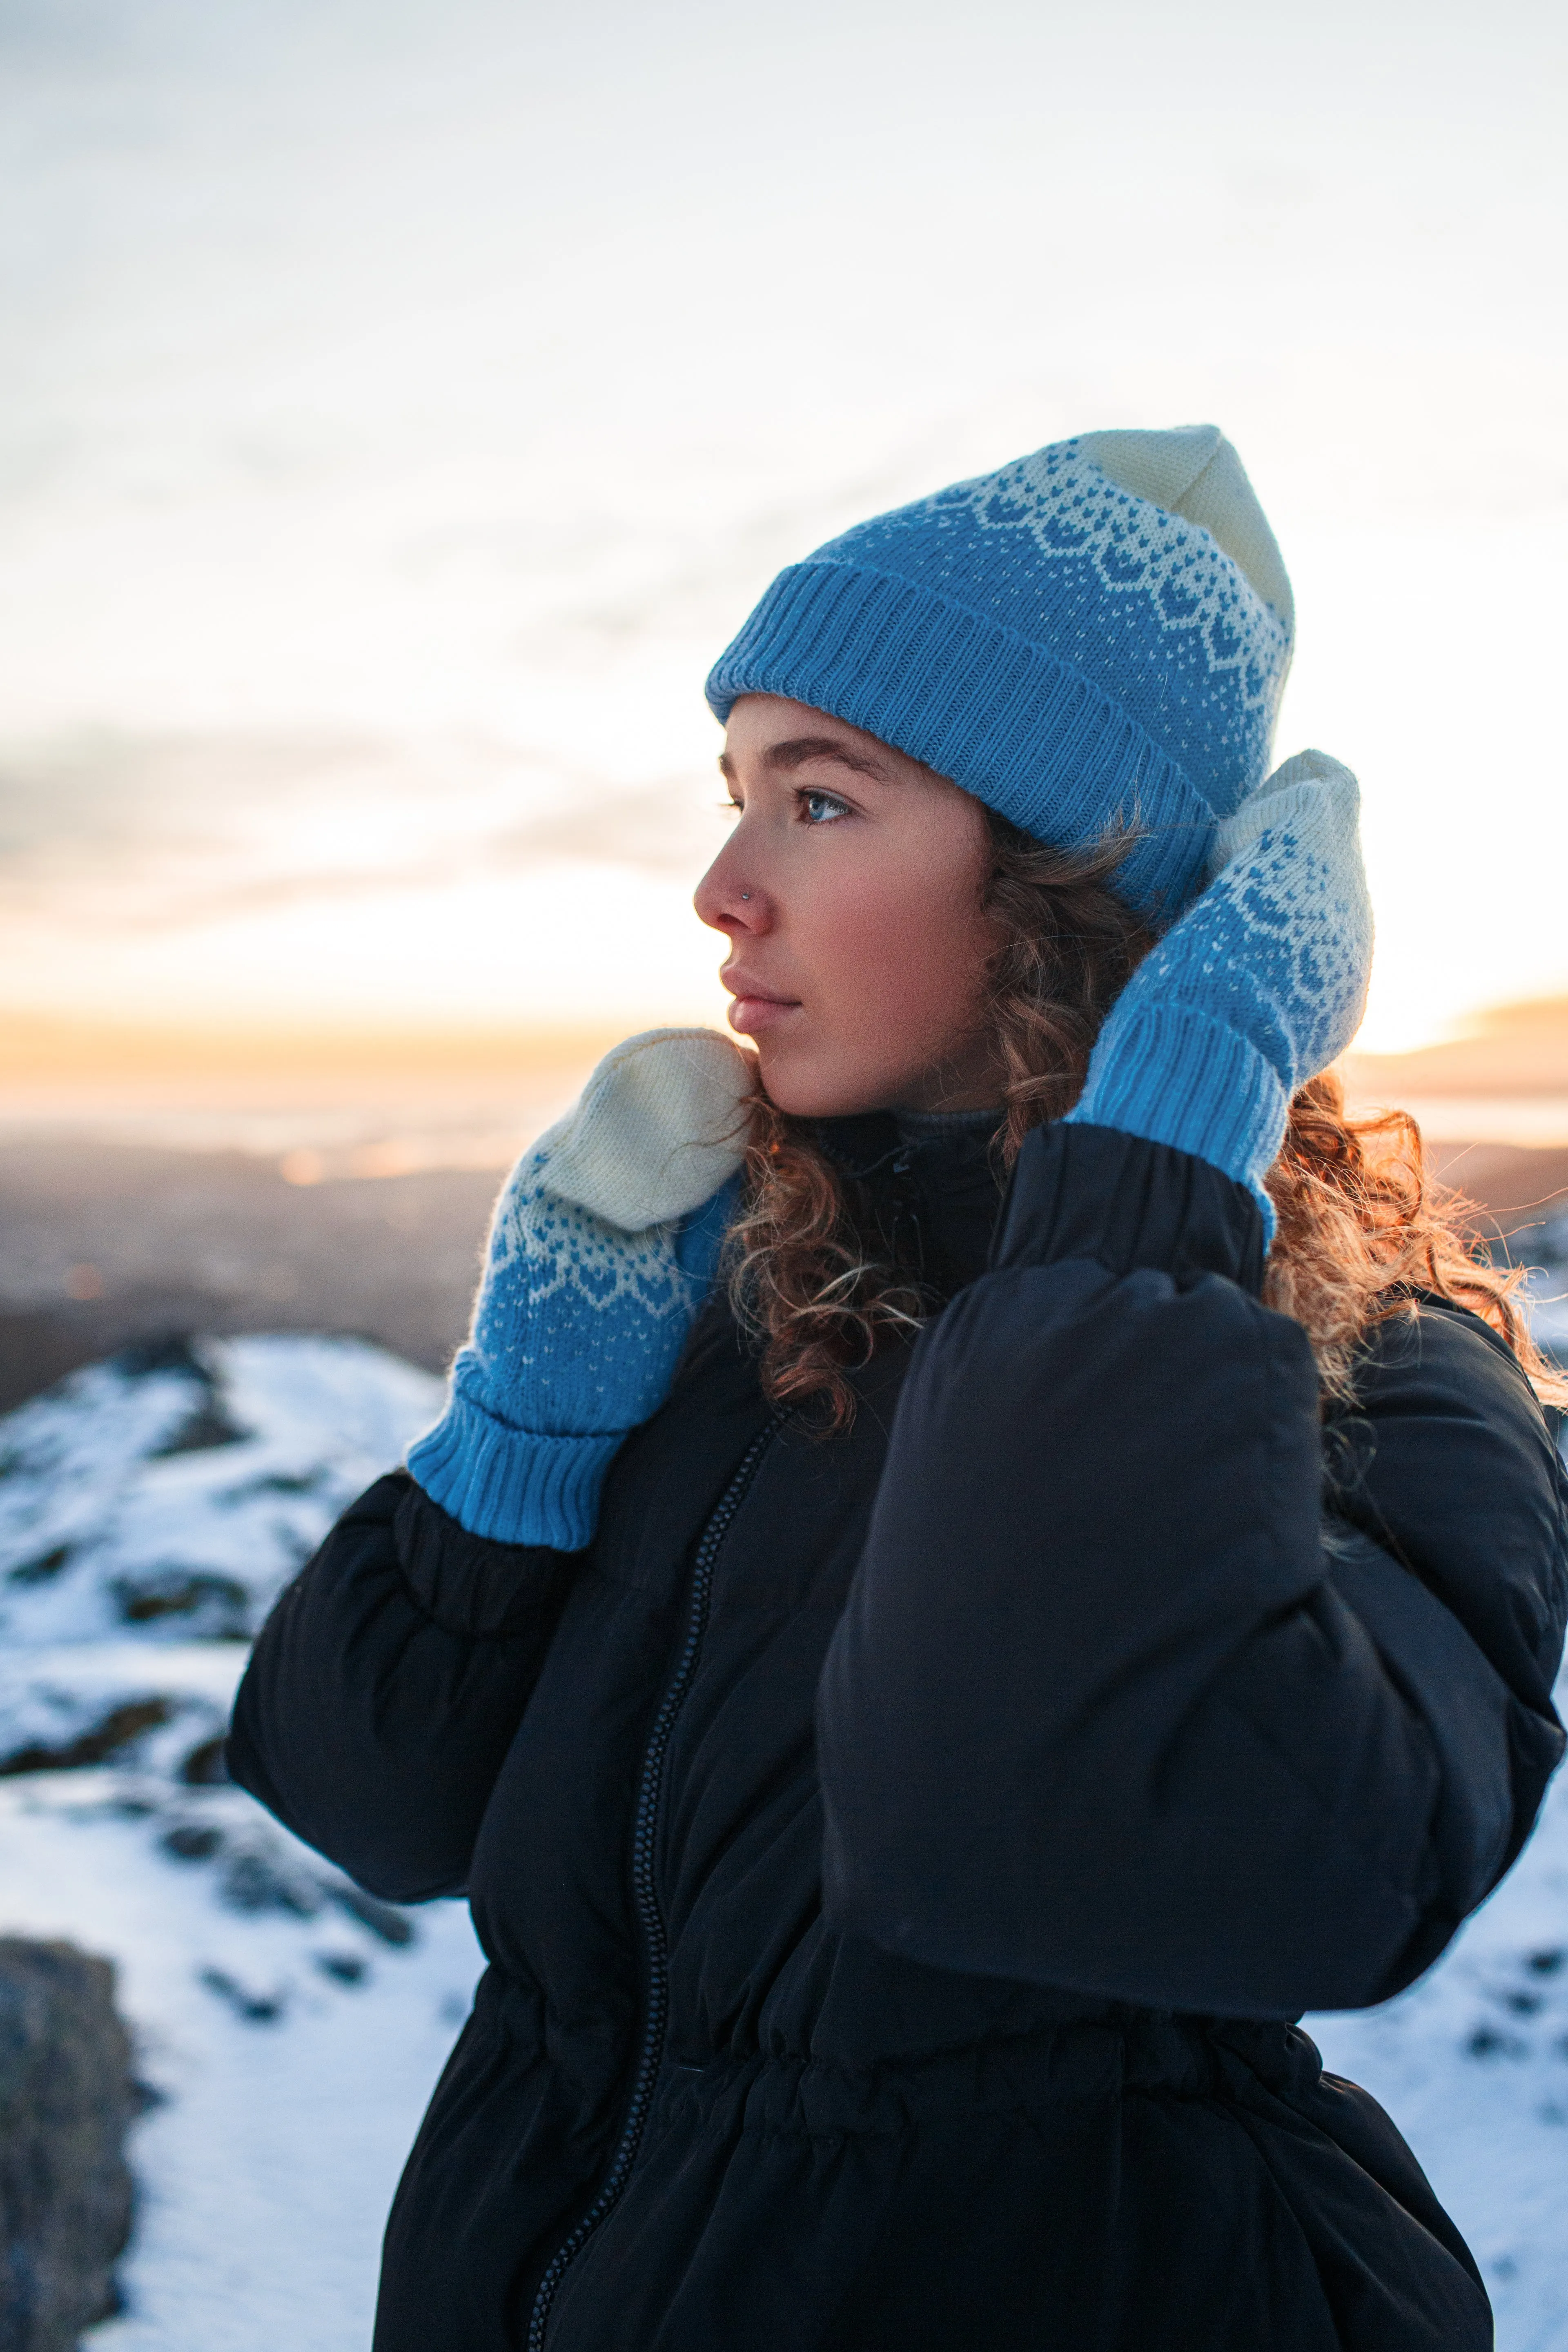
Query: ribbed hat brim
{"points": [[1004, 718]]}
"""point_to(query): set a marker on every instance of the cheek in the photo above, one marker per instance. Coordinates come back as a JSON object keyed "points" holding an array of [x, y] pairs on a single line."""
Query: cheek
{"points": [[906, 954]]}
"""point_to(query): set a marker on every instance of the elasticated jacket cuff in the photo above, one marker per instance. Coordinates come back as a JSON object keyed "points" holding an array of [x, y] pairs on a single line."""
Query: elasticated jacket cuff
{"points": [[468, 1584], [1175, 1076], [1123, 1203], [514, 1485]]}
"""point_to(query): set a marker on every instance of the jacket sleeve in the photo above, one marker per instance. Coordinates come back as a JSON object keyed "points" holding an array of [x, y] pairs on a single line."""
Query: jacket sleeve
{"points": [[388, 1685], [1113, 1704]]}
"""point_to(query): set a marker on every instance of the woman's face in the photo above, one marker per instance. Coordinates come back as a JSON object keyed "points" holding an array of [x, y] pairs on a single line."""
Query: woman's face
{"points": [[850, 892]]}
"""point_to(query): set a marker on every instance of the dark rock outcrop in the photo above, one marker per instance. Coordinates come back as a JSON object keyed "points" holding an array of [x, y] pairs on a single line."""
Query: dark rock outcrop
{"points": [[67, 2098]]}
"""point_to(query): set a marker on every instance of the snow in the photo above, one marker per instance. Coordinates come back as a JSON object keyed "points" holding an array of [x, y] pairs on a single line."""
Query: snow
{"points": [[290, 2030], [1472, 2064], [180, 1488], [292, 2056]]}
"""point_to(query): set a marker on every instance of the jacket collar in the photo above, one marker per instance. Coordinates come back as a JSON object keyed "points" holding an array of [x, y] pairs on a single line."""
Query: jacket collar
{"points": [[932, 1188]]}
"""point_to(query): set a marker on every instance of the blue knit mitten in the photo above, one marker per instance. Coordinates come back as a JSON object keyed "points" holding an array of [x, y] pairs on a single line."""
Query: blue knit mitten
{"points": [[1257, 987], [604, 1246]]}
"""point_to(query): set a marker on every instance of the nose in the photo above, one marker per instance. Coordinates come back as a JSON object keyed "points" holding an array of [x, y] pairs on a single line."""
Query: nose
{"points": [[727, 900]]}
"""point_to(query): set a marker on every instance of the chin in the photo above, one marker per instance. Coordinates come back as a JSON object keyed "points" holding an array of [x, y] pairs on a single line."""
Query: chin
{"points": [[804, 1088]]}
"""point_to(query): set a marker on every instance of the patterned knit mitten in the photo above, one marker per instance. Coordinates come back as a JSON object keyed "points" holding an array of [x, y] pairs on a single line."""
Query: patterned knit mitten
{"points": [[603, 1245], [1257, 987]]}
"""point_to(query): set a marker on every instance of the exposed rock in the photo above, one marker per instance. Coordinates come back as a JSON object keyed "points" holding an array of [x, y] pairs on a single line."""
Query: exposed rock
{"points": [[119, 1728], [67, 2098]]}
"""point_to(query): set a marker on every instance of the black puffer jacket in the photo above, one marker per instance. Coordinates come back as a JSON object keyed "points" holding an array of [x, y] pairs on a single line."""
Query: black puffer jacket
{"points": [[899, 1857]]}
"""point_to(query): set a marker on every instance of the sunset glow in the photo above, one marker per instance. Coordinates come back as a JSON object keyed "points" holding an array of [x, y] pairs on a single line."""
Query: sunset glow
{"points": [[415, 401]]}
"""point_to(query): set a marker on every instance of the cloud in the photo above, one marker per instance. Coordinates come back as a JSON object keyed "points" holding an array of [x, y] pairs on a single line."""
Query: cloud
{"points": [[173, 832]]}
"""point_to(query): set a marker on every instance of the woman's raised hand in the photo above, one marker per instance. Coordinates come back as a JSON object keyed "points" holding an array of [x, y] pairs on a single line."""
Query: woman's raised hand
{"points": [[603, 1245], [1257, 987]]}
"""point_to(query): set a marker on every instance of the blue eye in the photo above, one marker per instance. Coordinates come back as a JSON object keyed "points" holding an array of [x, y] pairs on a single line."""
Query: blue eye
{"points": [[821, 808]]}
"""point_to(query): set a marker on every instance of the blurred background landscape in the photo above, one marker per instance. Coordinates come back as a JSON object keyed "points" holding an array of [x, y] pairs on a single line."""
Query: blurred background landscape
{"points": [[333, 1182], [401, 404]]}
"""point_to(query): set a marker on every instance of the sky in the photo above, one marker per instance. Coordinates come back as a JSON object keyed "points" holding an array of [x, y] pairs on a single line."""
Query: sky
{"points": [[403, 402]]}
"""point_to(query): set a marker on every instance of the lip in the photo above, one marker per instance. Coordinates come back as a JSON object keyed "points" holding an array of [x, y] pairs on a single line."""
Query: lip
{"points": [[752, 1016], [754, 1009]]}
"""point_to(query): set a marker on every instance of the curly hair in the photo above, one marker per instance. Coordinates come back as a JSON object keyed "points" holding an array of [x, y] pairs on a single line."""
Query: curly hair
{"points": [[1362, 1225]]}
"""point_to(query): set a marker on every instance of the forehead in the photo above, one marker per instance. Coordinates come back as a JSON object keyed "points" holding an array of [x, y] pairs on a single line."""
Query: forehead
{"points": [[769, 730]]}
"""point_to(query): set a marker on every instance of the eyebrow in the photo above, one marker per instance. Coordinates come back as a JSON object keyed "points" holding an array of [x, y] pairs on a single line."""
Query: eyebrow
{"points": [[784, 758]]}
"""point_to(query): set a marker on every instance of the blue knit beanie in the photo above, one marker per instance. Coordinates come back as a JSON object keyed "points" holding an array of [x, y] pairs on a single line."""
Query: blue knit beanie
{"points": [[1096, 634]]}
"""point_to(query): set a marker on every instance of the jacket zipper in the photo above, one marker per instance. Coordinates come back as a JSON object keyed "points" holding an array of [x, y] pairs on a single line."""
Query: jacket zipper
{"points": [[645, 1833]]}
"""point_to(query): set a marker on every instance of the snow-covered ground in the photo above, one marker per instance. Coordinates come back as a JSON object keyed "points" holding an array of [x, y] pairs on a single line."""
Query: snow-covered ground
{"points": [[1472, 2064], [289, 2029], [291, 2048]]}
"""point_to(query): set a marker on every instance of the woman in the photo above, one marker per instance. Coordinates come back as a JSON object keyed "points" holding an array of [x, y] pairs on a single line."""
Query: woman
{"points": [[922, 1683]]}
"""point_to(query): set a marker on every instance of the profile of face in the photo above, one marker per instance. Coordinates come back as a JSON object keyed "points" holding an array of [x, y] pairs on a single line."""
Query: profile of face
{"points": [[850, 891]]}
